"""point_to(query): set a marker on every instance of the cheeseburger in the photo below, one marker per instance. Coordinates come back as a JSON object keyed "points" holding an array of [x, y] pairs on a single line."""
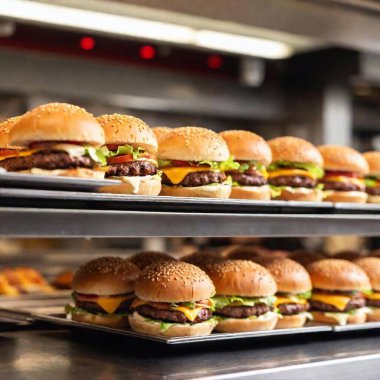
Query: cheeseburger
{"points": [[371, 265], [344, 171], [173, 300], [60, 140], [131, 151], [7, 150], [295, 170], [193, 162], [244, 296], [103, 292], [338, 294], [253, 154], [203, 257], [293, 290], [372, 180], [146, 258]]}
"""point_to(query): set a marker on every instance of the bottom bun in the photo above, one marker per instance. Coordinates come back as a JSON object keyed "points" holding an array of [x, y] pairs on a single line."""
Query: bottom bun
{"points": [[146, 185], [374, 316], [319, 316], [78, 172], [300, 194], [115, 321], [291, 321], [208, 191], [345, 196], [260, 193], [141, 325], [373, 198], [231, 325]]}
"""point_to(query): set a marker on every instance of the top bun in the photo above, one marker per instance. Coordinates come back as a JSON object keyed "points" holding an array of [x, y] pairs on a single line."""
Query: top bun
{"points": [[294, 149], [126, 129], [146, 258], [335, 274], [371, 265], [5, 127], [247, 146], [373, 161], [202, 258], [173, 281], [337, 157], [290, 276], [193, 144], [57, 122], [161, 132], [106, 276], [241, 278]]}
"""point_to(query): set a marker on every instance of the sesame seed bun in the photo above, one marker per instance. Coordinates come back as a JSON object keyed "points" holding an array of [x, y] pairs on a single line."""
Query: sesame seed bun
{"points": [[258, 193], [335, 274], [193, 144], [241, 278], [373, 199], [347, 255], [208, 191], [173, 281], [290, 276], [321, 317], [244, 253], [236, 325], [337, 157], [345, 196], [373, 161], [294, 149], [291, 321], [247, 146], [112, 321], [305, 258], [374, 316], [106, 276], [126, 129], [57, 122], [202, 258], [146, 258], [5, 128], [161, 132], [300, 194], [371, 265]]}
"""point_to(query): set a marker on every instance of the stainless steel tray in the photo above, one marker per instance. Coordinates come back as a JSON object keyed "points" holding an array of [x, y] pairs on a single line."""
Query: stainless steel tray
{"points": [[358, 327]]}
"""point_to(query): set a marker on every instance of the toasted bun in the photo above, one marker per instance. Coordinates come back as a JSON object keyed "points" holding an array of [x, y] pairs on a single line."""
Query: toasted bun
{"points": [[300, 194], [78, 172], [5, 127], [337, 157], [173, 281], [373, 161], [290, 276], [305, 257], [236, 325], [319, 316], [146, 258], [371, 265], [258, 193], [347, 255], [57, 122], [202, 258], [106, 276], [374, 199], [244, 253], [291, 321], [126, 129], [161, 132], [294, 149], [208, 191], [241, 278], [345, 196], [193, 144], [374, 316], [112, 321], [146, 185], [335, 274], [141, 325], [247, 146]]}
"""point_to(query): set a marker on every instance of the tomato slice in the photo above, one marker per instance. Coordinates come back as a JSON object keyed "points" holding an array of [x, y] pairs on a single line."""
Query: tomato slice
{"points": [[112, 146], [120, 159], [337, 173], [7, 152]]}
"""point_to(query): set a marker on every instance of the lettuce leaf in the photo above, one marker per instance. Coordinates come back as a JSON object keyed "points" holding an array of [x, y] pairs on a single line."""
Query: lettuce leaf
{"points": [[246, 165], [314, 169], [126, 149], [166, 325], [70, 309], [230, 164], [276, 190], [370, 182], [164, 163], [304, 295], [98, 155], [221, 301]]}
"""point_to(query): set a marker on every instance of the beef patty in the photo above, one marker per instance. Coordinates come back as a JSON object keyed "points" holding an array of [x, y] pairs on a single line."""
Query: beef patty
{"points": [[373, 190], [293, 181], [48, 160], [172, 315], [341, 186], [197, 179], [373, 303], [243, 311], [355, 303], [248, 179], [131, 169], [292, 308]]}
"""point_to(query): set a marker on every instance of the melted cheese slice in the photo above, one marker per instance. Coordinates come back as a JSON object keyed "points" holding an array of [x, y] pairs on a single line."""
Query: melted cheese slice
{"points": [[137, 302], [176, 175], [290, 172], [355, 181], [21, 153], [281, 300], [374, 296], [110, 304], [191, 314], [340, 302]]}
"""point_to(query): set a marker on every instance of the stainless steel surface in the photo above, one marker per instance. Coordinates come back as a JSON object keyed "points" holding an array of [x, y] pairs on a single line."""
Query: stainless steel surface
{"points": [[358, 327]]}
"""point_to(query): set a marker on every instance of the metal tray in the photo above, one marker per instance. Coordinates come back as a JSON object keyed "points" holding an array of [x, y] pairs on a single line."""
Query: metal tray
{"points": [[357, 327], [28, 181], [357, 208]]}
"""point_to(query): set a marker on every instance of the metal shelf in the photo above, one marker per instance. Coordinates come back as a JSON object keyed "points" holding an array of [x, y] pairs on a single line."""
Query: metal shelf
{"points": [[32, 222]]}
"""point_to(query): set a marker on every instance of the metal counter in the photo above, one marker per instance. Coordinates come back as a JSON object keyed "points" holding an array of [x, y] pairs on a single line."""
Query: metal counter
{"points": [[33, 354]]}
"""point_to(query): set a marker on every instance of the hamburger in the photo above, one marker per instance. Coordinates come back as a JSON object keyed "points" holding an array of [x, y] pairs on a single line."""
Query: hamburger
{"points": [[193, 162], [161, 132], [131, 154], [293, 289], [295, 169], [371, 265], [146, 258], [173, 300], [244, 298], [344, 171], [372, 179], [305, 257], [339, 287], [103, 290], [60, 140], [202, 257], [253, 154], [6, 149]]}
